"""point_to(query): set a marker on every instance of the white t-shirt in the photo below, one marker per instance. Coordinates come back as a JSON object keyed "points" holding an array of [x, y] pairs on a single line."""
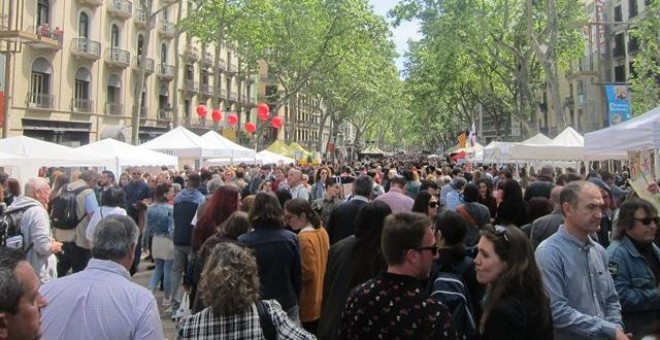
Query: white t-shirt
{"points": [[99, 213]]}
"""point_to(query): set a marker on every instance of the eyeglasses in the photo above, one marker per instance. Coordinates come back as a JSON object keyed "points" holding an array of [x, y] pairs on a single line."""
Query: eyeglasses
{"points": [[434, 204], [432, 249], [501, 231], [648, 220]]}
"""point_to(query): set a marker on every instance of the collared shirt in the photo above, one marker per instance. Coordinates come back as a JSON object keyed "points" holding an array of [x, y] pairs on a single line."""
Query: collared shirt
{"points": [[397, 200], [299, 191], [205, 325], [99, 302], [583, 300]]}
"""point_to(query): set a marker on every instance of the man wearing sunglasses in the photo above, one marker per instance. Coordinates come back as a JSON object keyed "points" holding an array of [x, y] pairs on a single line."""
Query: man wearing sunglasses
{"points": [[392, 305], [583, 300], [635, 265]]}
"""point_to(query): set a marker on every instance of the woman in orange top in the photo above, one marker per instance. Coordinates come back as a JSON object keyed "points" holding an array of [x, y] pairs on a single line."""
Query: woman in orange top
{"points": [[314, 245]]}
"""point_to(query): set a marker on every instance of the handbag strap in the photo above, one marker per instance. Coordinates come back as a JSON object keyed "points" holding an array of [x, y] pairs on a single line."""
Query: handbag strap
{"points": [[266, 322]]}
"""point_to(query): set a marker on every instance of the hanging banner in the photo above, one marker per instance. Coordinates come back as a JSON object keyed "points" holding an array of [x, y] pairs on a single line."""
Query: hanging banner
{"points": [[618, 103]]}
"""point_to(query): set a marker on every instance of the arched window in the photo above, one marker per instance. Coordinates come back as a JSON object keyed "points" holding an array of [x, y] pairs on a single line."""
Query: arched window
{"points": [[40, 94], [140, 45], [83, 25], [113, 100], [43, 12], [82, 95], [114, 36]]}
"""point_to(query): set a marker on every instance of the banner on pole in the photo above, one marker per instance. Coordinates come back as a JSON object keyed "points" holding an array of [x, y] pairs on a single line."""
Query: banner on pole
{"points": [[618, 103]]}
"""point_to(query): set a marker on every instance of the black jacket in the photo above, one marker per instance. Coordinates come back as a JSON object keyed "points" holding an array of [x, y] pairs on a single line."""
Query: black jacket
{"points": [[518, 317], [342, 220]]}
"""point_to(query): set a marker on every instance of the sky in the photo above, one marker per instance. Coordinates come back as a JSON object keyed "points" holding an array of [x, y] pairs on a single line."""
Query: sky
{"points": [[401, 34]]}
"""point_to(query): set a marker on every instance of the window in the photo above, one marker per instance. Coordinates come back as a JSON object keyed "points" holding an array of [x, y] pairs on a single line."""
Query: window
{"points": [[632, 8], [83, 25], [163, 53], [633, 44], [190, 72], [42, 12], [618, 14], [620, 73], [619, 45], [140, 44], [114, 89], [186, 109], [40, 83], [82, 95], [114, 36]]}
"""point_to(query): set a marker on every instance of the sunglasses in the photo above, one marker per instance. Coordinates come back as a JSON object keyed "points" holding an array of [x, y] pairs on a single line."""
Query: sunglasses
{"points": [[648, 220], [433, 204], [432, 249], [501, 231]]}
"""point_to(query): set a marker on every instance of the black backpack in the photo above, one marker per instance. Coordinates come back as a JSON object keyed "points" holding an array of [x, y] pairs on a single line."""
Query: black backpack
{"points": [[450, 289], [64, 209], [10, 228]]}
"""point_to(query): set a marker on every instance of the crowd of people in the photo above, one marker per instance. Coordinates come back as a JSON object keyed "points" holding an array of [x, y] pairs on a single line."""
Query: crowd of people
{"points": [[394, 249]]}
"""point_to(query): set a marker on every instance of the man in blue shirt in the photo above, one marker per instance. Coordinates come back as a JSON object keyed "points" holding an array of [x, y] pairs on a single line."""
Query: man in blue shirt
{"points": [[583, 299]]}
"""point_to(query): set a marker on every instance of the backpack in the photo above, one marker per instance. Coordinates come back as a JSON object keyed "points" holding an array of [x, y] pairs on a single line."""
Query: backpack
{"points": [[64, 209], [10, 228], [450, 289]]}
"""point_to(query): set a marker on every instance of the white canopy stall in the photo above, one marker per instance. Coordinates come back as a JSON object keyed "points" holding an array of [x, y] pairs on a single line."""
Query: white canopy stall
{"points": [[183, 143], [567, 146], [36, 153], [267, 157], [233, 151], [500, 152], [641, 132], [124, 154]]}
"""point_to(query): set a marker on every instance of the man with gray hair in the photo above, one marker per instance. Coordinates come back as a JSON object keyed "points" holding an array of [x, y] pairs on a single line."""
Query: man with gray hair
{"points": [[29, 212], [297, 188], [20, 301], [341, 223], [101, 302]]}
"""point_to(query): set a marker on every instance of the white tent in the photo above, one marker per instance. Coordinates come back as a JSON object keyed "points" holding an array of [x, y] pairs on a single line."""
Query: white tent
{"points": [[641, 132], [227, 161], [181, 142], [501, 151], [124, 154], [567, 146], [37, 153], [233, 151], [10, 159], [267, 157]]}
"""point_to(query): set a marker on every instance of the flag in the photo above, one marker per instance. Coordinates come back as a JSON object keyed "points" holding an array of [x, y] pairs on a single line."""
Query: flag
{"points": [[473, 136]]}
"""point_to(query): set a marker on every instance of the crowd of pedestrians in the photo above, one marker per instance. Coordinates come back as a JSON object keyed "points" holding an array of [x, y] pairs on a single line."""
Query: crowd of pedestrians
{"points": [[391, 250]]}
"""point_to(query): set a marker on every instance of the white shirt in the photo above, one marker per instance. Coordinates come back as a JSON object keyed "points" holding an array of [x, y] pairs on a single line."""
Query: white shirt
{"points": [[100, 213]]}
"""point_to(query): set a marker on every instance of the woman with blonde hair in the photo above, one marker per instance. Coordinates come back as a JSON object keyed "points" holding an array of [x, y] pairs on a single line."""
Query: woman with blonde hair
{"points": [[230, 286]]}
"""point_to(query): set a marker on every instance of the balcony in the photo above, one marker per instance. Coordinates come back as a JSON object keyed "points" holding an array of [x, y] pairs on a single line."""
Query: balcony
{"points": [[148, 64], [120, 9], [40, 100], [86, 49], [114, 109], [192, 53], [232, 69], [165, 72], [140, 19], [206, 89], [82, 105], [166, 29], [232, 96], [47, 38], [92, 3], [117, 57], [164, 115], [222, 94], [191, 86], [207, 59], [222, 65]]}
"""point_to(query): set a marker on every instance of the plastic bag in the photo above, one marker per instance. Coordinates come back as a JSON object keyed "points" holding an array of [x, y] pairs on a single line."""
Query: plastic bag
{"points": [[184, 308]]}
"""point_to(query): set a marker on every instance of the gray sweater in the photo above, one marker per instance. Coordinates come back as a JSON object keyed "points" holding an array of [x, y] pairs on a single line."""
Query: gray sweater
{"points": [[35, 227]]}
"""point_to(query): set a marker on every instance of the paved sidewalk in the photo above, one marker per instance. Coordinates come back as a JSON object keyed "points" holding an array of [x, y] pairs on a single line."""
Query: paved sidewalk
{"points": [[142, 278]]}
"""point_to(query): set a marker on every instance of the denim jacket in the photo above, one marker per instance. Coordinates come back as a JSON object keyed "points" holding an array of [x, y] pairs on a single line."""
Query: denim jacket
{"points": [[160, 220], [583, 301], [635, 284]]}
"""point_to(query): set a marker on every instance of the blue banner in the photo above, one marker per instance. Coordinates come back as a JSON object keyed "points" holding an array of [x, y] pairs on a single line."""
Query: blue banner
{"points": [[618, 103]]}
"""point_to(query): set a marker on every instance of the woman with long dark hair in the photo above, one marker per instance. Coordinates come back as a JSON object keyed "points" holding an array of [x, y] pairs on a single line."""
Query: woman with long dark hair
{"points": [[516, 305], [513, 209], [426, 204], [352, 261], [314, 245], [486, 196], [277, 251]]}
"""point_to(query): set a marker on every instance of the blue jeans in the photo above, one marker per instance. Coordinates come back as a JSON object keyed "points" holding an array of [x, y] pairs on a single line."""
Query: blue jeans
{"points": [[163, 270]]}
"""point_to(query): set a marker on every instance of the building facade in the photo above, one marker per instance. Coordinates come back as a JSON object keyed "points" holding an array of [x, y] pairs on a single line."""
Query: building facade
{"points": [[75, 69]]}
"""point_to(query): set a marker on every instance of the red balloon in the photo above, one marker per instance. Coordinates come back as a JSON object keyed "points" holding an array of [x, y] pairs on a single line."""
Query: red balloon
{"points": [[232, 119], [216, 115], [251, 127], [263, 111], [277, 122], [201, 110]]}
